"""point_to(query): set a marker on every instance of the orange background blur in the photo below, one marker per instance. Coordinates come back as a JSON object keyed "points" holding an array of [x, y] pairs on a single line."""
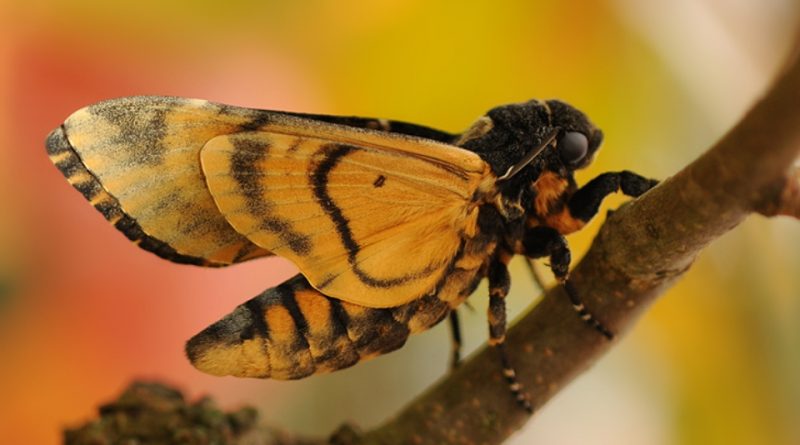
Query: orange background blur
{"points": [[83, 312]]}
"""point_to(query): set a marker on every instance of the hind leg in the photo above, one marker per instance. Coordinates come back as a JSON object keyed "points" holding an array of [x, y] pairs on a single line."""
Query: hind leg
{"points": [[542, 241], [499, 284]]}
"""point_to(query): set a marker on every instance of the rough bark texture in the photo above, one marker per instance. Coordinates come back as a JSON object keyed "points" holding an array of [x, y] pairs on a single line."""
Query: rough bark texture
{"points": [[155, 414], [640, 251]]}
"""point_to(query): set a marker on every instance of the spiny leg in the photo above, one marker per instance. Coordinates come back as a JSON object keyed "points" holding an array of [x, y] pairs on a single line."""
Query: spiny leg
{"points": [[585, 315], [543, 241], [499, 284], [455, 330]]}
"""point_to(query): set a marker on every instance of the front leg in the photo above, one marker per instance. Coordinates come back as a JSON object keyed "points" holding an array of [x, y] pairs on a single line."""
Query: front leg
{"points": [[584, 204], [543, 241]]}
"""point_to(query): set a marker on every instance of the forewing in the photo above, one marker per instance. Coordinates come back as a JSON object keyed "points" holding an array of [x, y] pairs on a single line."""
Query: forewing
{"points": [[370, 218], [388, 125], [137, 160]]}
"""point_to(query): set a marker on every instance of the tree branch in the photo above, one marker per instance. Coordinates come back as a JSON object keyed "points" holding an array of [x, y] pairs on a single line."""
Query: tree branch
{"points": [[788, 203], [641, 250]]}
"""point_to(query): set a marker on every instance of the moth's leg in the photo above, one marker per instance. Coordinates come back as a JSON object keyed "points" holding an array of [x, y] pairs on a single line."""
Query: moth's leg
{"points": [[543, 241], [583, 205], [455, 330], [499, 284]]}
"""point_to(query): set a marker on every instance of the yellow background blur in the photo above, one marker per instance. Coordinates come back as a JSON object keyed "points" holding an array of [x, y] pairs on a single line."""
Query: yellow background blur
{"points": [[83, 312]]}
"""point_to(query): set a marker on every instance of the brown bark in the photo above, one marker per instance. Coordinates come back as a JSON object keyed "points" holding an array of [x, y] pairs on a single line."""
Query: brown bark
{"points": [[641, 250]]}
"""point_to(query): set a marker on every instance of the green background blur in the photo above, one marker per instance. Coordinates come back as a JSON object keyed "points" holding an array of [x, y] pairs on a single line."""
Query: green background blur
{"points": [[83, 312]]}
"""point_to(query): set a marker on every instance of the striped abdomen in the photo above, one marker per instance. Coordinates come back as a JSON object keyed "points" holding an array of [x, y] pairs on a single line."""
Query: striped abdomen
{"points": [[292, 331]]}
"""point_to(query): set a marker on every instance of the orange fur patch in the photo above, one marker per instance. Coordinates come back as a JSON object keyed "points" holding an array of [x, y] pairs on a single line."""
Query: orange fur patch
{"points": [[549, 187], [564, 222]]}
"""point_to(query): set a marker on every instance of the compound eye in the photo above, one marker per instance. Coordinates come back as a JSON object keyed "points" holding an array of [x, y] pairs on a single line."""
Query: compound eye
{"points": [[572, 147]]}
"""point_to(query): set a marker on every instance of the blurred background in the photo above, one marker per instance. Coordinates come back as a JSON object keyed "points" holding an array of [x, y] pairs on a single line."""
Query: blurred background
{"points": [[83, 312]]}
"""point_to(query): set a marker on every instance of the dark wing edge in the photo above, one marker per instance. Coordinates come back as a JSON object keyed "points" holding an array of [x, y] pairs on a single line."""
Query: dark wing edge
{"points": [[66, 159], [136, 160]]}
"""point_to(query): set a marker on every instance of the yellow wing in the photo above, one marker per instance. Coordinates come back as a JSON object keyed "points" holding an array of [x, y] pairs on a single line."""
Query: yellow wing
{"points": [[370, 218], [137, 160]]}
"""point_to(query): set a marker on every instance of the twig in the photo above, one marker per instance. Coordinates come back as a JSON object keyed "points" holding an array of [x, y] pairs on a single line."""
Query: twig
{"points": [[642, 250], [788, 203]]}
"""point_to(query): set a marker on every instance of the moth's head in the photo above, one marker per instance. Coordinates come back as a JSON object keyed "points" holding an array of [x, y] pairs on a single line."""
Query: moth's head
{"points": [[523, 140], [577, 140]]}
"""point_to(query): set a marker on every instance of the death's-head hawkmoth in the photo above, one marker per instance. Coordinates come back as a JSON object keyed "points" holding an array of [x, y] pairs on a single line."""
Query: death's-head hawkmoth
{"points": [[391, 224]]}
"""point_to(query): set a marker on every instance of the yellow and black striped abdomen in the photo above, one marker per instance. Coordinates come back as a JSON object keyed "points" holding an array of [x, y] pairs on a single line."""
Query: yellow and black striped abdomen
{"points": [[292, 331]]}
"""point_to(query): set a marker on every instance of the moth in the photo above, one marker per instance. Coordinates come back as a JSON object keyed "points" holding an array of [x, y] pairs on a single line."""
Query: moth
{"points": [[391, 224]]}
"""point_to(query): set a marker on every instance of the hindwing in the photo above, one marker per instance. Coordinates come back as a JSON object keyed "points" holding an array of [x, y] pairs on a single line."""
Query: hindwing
{"points": [[370, 218]]}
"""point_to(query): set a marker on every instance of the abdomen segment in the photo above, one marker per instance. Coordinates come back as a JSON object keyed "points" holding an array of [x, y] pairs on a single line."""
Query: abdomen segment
{"points": [[292, 331]]}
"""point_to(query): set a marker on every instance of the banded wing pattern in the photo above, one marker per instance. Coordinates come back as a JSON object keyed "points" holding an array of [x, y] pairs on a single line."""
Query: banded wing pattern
{"points": [[137, 160], [366, 218]]}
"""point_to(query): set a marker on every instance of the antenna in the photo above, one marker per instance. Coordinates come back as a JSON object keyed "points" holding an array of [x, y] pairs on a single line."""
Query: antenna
{"points": [[513, 170]]}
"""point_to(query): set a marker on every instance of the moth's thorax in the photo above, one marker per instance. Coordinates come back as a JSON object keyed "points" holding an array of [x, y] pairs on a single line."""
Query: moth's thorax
{"points": [[551, 194], [538, 193], [504, 135], [505, 216]]}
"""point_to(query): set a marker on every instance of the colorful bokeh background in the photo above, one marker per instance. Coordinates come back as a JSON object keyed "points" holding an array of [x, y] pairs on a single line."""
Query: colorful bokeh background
{"points": [[83, 312]]}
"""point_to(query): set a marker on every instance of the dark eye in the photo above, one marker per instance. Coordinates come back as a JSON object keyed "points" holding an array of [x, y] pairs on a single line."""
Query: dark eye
{"points": [[572, 147]]}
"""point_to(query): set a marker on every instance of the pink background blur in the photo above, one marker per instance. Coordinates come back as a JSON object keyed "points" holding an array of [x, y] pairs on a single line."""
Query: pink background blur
{"points": [[83, 312]]}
